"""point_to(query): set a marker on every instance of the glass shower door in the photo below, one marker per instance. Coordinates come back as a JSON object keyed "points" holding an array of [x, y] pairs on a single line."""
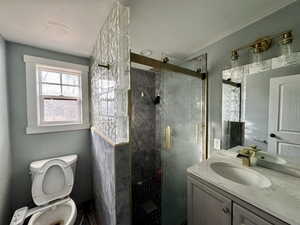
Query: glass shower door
{"points": [[180, 115]]}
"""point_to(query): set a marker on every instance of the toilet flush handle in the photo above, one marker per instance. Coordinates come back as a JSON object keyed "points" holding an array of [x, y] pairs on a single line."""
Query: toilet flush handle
{"points": [[21, 214]]}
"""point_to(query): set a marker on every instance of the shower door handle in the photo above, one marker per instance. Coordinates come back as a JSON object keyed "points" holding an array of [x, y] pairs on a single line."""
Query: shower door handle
{"points": [[168, 137], [197, 133]]}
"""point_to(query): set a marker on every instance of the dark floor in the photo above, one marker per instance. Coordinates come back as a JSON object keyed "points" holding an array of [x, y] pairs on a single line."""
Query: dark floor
{"points": [[86, 215], [146, 202]]}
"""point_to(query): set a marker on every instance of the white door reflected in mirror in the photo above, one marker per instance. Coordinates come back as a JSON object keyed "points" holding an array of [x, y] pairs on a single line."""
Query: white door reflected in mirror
{"points": [[284, 116]]}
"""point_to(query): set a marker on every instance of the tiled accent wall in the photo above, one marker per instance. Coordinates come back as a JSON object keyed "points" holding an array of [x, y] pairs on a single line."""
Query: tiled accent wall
{"points": [[109, 87], [145, 155], [111, 181], [231, 103], [123, 184]]}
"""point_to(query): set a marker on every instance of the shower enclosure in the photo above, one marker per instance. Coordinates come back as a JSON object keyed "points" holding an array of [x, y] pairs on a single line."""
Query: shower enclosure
{"points": [[147, 129], [167, 137]]}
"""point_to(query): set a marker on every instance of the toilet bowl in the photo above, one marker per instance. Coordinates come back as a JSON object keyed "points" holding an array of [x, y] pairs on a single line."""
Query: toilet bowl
{"points": [[63, 214], [52, 183]]}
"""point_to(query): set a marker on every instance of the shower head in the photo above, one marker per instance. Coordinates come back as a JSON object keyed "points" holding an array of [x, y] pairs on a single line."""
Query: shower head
{"points": [[156, 100]]}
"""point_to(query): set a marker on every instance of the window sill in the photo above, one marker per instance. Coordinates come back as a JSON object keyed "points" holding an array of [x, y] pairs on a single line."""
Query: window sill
{"points": [[57, 128]]}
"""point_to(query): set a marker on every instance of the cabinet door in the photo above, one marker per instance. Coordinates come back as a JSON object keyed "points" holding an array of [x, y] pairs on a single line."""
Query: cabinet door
{"points": [[206, 207], [242, 216]]}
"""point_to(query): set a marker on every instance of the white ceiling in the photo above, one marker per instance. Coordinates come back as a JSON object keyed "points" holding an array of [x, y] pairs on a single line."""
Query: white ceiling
{"points": [[175, 27], [69, 26]]}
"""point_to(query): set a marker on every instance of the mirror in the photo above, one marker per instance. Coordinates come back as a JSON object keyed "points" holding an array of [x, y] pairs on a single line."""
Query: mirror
{"points": [[261, 106]]}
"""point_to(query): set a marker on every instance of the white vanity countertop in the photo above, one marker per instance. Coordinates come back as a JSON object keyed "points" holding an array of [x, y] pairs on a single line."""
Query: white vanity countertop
{"points": [[281, 199]]}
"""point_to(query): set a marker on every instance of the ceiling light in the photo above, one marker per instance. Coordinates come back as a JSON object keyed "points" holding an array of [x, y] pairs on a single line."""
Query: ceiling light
{"points": [[57, 28]]}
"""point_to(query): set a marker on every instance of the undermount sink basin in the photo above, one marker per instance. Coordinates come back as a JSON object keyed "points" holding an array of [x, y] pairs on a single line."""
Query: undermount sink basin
{"points": [[240, 175]]}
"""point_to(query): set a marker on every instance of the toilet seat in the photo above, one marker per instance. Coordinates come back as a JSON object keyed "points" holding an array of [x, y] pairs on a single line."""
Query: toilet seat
{"points": [[62, 214], [40, 197]]}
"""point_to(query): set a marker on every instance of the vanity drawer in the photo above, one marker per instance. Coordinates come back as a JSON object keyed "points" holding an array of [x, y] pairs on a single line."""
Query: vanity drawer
{"points": [[242, 216]]}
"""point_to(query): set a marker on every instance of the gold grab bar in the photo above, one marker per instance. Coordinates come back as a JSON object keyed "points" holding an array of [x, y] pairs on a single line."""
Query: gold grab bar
{"points": [[168, 137]]}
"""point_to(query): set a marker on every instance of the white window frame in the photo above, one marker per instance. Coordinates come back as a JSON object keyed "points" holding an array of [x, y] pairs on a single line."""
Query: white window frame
{"points": [[34, 125]]}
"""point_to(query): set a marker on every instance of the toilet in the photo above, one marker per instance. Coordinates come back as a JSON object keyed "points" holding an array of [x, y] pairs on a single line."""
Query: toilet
{"points": [[52, 183]]}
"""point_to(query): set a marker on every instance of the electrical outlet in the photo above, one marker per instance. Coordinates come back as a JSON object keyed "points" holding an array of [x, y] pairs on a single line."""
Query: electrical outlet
{"points": [[217, 144]]}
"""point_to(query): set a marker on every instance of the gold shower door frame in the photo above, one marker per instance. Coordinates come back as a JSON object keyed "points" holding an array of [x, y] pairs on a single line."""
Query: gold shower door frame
{"points": [[147, 61]]}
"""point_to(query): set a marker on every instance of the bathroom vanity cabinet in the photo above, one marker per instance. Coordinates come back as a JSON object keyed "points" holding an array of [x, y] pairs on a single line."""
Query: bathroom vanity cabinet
{"points": [[209, 205], [242, 216]]}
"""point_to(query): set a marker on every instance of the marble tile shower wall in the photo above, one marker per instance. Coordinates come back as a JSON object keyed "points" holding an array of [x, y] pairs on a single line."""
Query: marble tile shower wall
{"points": [[145, 154], [104, 188], [111, 181], [123, 184]]}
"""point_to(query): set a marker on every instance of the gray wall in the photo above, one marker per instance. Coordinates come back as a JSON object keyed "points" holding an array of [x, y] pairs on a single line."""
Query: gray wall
{"points": [[5, 159], [28, 148], [219, 56]]}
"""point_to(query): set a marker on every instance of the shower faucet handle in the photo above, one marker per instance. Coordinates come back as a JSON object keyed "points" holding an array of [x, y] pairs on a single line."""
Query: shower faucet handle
{"points": [[168, 137]]}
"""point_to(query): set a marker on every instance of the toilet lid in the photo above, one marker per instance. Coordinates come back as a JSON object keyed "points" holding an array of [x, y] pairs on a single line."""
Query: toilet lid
{"points": [[54, 181]]}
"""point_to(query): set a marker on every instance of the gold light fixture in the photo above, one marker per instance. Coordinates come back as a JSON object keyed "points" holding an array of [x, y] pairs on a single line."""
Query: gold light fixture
{"points": [[285, 42], [234, 55], [286, 38], [234, 58], [263, 44]]}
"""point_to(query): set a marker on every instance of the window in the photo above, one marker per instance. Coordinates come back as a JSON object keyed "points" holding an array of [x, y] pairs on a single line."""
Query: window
{"points": [[57, 95]]}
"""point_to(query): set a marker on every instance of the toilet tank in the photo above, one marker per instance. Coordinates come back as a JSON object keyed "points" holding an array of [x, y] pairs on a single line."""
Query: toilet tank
{"points": [[36, 166]]}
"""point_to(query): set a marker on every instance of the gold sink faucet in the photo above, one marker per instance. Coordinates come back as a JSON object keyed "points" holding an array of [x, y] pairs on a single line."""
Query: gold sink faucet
{"points": [[247, 155]]}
